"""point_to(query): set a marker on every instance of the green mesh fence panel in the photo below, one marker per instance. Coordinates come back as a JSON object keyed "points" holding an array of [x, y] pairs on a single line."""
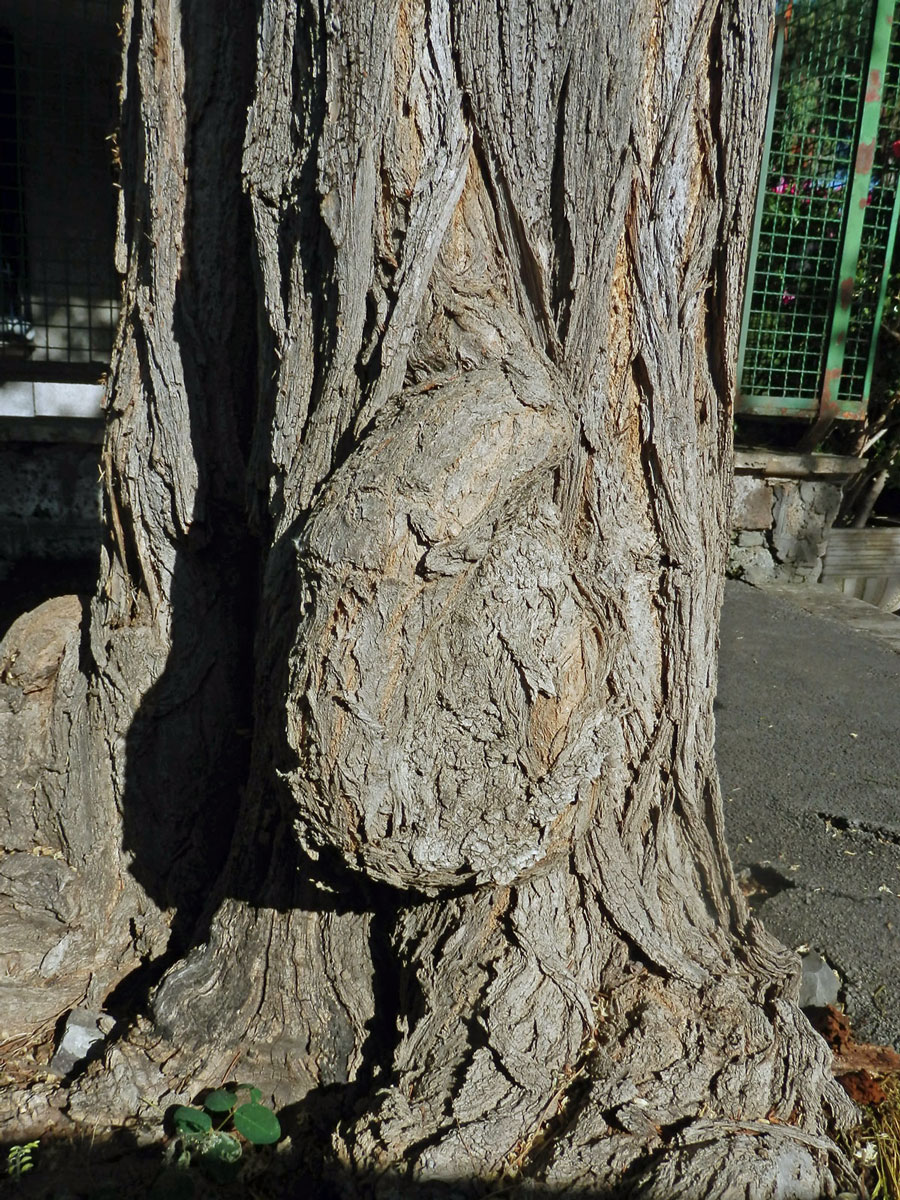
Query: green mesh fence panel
{"points": [[826, 211], [876, 243]]}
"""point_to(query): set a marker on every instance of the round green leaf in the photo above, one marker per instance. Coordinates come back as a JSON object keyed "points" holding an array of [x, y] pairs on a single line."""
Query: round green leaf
{"points": [[255, 1093], [220, 1101], [258, 1124], [191, 1120]]}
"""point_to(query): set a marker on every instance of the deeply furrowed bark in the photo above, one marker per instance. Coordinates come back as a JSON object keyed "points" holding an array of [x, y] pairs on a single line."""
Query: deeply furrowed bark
{"points": [[467, 425]]}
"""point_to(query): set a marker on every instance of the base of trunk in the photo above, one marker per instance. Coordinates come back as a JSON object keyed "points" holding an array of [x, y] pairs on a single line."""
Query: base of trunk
{"points": [[453, 1058]]}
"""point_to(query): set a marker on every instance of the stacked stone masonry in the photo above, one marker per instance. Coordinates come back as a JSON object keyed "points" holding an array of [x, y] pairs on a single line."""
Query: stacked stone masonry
{"points": [[784, 507]]}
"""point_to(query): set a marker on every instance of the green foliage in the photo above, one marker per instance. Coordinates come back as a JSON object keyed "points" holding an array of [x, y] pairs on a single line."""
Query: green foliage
{"points": [[208, 1135], [191, 1122], [219, 1101], [257, 1124], [877, 437], [20, 1159], [219, 1154]]}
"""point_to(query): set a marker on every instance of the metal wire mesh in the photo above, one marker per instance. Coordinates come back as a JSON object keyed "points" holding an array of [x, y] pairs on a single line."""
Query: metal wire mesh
{"points": [[807, 229], [809, 163], [58, 289], [878, 225]]}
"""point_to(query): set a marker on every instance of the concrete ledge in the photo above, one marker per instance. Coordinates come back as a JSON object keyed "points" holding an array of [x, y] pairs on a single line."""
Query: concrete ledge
{"points": [[772, 464], [81, 400], [824, 602]]}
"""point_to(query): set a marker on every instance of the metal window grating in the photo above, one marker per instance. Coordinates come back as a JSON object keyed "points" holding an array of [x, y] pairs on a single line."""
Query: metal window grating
{"points": [[59, 295], [826, 211]]}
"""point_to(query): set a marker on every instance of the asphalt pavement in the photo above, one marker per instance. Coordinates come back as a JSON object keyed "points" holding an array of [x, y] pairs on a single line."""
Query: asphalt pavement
{"points": [[808, 745]]}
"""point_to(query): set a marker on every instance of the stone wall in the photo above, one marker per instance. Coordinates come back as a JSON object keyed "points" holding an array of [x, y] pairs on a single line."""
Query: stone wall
{"points": [[784, 507], [49, 492]]}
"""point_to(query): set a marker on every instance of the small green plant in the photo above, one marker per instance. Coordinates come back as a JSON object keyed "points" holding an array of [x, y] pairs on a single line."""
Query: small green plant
{"points": [[210, 1137], [20, 1159]]}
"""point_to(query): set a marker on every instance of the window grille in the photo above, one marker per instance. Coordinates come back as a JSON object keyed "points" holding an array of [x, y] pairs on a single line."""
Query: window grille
{"points": [[59, 295], [826, 211]]}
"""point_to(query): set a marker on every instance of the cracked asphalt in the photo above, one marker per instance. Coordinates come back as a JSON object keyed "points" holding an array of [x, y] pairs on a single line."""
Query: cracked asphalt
{"points": [[809, 758]]}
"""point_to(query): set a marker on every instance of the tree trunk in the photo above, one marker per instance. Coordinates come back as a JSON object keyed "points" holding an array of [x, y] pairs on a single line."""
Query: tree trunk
{"points": [[384, 761]]}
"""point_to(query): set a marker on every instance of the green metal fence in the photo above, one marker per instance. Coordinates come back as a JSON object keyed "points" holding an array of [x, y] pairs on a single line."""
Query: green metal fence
{"points": [[826, 213]]}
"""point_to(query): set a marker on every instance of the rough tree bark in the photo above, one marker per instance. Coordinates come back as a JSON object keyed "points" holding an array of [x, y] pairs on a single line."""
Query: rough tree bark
{"points": [[383, 757]]}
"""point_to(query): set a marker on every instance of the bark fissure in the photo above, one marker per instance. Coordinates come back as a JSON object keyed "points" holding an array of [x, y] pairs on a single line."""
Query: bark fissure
{"points": [[564, 257]]}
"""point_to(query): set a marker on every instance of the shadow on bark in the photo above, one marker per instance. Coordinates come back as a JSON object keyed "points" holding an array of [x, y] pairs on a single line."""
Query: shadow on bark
{"points": [[187, 749], [205, 818], [121, 1164], [32, 581]]}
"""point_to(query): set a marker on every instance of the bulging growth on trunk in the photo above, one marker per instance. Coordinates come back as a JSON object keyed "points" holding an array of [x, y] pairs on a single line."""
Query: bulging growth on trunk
{"points": [[383, 758]]}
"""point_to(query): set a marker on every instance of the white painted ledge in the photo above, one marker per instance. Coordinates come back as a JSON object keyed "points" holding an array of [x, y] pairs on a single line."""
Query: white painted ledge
{"points": [[68, 399], [24, 398], [17, 398]]}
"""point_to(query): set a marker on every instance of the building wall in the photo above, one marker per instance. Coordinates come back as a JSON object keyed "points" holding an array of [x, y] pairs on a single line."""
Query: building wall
{"points": [[49, 496]]}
